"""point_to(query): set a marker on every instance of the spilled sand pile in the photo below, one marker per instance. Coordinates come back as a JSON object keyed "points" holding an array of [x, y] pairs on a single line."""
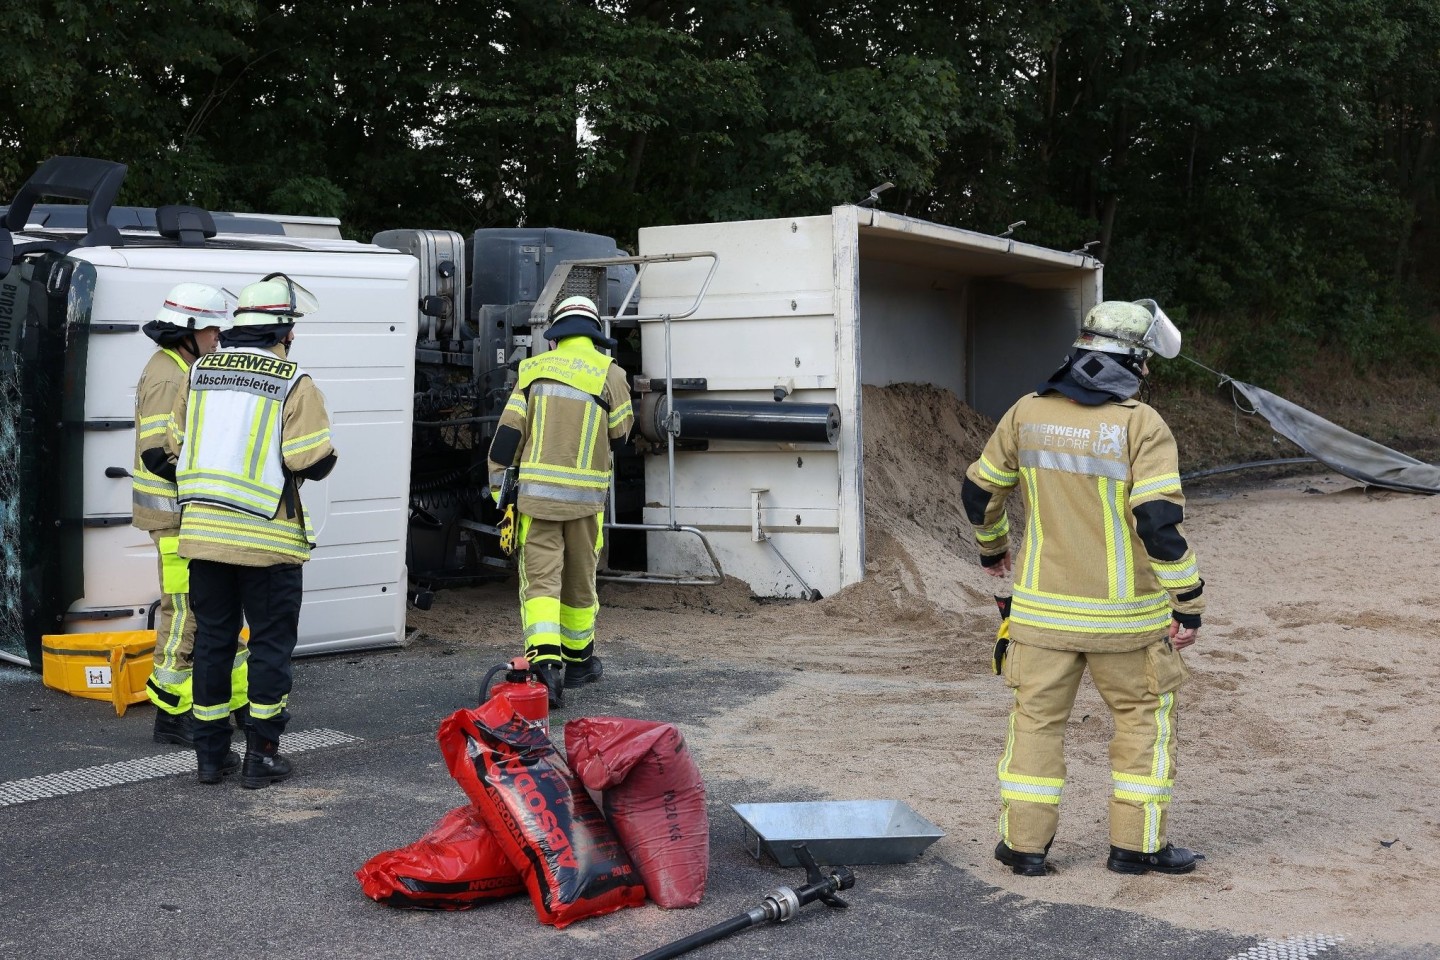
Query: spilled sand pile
{"points": [[1310, 740]]}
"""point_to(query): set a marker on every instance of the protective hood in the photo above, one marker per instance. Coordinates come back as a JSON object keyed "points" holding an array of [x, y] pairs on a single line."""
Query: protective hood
{"points": [[166, 334], [1091, 378], [260, 335], [576, 325]]}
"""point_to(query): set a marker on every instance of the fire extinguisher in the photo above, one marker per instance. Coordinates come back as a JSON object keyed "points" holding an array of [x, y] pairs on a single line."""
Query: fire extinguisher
{"points": [[522, 688]]}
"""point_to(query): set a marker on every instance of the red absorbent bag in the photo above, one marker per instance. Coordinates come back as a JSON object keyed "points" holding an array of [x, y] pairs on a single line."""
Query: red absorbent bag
{"points": [[453, 867], [653, 797], [540, 815]]}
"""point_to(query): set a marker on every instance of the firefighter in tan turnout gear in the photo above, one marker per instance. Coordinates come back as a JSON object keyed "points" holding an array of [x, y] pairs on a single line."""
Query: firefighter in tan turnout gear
{"points": [[569, 407], [252, 427], [1103, 579], [187, 327]]}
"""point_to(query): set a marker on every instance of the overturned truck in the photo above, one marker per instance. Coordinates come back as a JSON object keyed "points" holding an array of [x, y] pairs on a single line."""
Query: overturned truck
{"points": [[748, 344]]}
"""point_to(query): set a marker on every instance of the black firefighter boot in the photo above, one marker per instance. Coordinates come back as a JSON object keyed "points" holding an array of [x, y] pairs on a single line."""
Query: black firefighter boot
{"points": [[580, 672], [1024, 864], [264, 764], [552, 674], [213, 770], [1171, 859], [240, 716], [176, 728]]}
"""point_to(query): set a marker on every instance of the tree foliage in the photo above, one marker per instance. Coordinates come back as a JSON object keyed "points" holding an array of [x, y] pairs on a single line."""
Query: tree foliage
{"points": [[1270, 165]]}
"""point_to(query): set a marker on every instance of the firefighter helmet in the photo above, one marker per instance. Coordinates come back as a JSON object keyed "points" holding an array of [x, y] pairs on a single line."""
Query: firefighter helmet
{"points": [[577, 317], [195, 306], [1137, 329], [274, 299]]}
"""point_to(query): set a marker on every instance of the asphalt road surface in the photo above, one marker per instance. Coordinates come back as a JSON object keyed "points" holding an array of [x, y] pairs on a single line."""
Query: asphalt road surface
{"points": [[111, 848]]}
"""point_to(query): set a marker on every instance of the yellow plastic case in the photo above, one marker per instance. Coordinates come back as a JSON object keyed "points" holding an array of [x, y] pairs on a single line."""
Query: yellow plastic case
{"points": [[99, 666]]}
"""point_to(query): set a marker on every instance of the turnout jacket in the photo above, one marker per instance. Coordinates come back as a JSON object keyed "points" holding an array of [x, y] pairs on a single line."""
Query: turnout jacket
{"points": [[250, 427], [567, 407], [1104, 564], [165, 377]]}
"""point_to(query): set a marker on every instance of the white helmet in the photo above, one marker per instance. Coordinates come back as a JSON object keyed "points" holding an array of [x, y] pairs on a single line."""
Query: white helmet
{"points": [[576, 306], [1139, 328], [578, 317], [274, 299], [195, 306]]}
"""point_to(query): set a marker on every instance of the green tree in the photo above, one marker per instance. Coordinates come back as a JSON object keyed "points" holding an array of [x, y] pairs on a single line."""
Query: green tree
{"points": [[117, 80]]}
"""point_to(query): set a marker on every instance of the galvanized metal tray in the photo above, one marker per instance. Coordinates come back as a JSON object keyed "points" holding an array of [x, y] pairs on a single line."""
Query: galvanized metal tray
{"points": [[837, 831]]}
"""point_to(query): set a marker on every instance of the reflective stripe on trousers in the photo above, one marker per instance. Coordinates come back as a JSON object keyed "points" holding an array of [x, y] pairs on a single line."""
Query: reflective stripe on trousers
{"points": [[170, 685], [268, 598], [1139, 688], [556, 561]]}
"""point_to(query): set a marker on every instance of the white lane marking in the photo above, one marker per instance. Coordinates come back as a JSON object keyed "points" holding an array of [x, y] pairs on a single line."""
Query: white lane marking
{"points": [[144, 768], [1302, 946]]}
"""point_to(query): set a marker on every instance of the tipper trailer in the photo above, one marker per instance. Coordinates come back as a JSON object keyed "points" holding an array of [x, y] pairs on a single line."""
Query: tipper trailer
{"points": [[748, 344]]}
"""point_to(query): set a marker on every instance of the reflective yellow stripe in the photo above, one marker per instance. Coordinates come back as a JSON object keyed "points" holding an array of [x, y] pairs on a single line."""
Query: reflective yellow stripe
{"points": [[1081, 623], [538, 444], [1141, 614], [1034, 529], [620, 414], [260, 437], [1119, 552], [1103, 606], [1018, 786], [577, 626], [148, 491], [1145, 788], [217, 525], [564, 476], [175, 355], [152, 426], [177, 431], [193, 415], [1001, 478], [206, 712], [1178, 575], [308, 442], [1165, 483], [995, 531], [151, 484], [1152, 792], [166, 667], [1164, 733], [589, 429], [267, 711], [1004, 765]]}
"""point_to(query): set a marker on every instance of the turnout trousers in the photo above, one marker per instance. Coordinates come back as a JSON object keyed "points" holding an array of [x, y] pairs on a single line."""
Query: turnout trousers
{"points": [[170, 684], [268, 599], [1139, 688], [558, 603]]}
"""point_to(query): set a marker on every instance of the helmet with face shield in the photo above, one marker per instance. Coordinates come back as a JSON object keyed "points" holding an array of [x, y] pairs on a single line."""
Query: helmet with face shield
{"points": [[1138, 329]]}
